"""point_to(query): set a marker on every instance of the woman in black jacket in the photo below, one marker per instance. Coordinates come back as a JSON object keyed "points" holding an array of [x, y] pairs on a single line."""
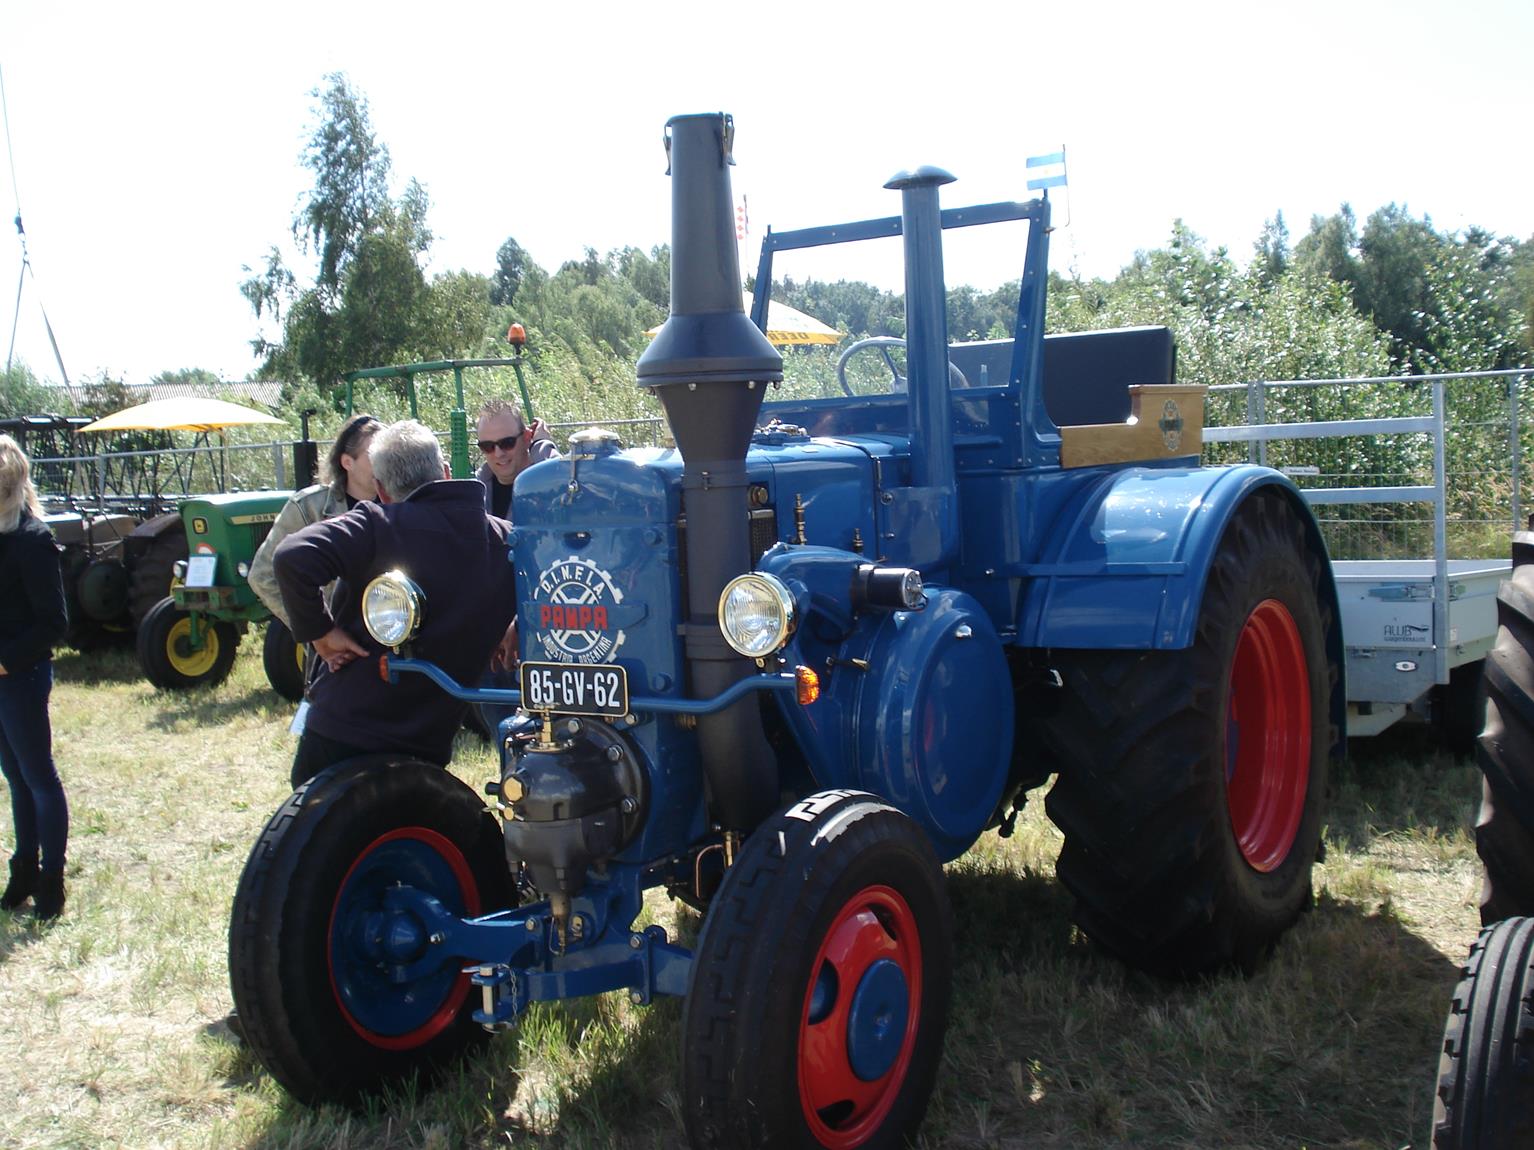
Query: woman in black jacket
{"points": [[32, 620]]}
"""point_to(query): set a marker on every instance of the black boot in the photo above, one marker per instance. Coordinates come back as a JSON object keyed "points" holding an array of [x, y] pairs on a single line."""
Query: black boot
{"points": [[48, 903], [23, 884]]}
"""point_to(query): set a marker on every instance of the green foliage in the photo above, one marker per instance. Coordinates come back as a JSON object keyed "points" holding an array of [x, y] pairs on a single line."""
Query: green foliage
{"points": [[511, 263], [22, 393], [198, 377], [1447, 302], [370, 302]]}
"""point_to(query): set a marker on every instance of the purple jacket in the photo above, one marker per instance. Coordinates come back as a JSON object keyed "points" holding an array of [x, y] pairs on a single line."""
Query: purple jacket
{"points": [[458, 555]]}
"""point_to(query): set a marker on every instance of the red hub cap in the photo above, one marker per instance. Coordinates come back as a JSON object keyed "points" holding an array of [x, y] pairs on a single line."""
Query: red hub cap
{"points": [[859, 1018], [1267, 740]]}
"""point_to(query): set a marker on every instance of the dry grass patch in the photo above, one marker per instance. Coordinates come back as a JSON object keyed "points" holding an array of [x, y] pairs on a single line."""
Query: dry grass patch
{"points": [[110, 1031]]}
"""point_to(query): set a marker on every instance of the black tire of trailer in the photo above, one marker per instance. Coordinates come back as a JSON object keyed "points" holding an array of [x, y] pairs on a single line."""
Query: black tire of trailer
{"points": [[280, 950], [1485, 1095], [836, 904], [284, 660], [150, 574], [1187, 848], [1459, 707], [166, 656], [1504, 833]]}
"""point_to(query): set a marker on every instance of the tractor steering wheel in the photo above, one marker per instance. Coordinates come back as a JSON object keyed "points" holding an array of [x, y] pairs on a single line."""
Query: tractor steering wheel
{"points": [[883, 344]]}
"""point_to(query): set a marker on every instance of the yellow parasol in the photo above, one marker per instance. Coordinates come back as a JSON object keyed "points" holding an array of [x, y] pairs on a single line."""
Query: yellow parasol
{"points": [[187, 413], [786, 326]]}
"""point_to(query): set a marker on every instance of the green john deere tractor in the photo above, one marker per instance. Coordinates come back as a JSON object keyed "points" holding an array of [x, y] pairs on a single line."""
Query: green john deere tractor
{"points": [[189, 638]]}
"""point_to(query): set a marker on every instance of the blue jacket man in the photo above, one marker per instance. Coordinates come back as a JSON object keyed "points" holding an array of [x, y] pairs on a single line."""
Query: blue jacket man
{"points": [[436, 531]]}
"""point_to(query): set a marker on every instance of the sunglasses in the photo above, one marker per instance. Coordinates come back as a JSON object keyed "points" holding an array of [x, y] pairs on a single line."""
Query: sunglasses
{"points": [[505, 444]]}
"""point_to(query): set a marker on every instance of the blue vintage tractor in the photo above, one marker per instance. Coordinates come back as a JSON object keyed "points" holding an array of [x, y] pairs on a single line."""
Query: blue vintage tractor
{"points": [[788, 669]]}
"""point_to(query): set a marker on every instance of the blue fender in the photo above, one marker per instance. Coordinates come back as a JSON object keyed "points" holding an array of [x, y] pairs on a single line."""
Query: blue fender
{"points": [[917, 706], [1129, 556]]}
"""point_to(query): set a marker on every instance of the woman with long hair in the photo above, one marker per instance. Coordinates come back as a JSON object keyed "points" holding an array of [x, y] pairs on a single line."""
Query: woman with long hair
{"points": [[346, 479], [32, 620]]}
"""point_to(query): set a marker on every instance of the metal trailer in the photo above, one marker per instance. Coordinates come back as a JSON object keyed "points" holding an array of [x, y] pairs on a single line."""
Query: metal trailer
{"points": [[1416, 630]]}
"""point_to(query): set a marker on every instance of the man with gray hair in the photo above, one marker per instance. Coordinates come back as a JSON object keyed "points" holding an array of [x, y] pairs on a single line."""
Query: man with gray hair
{"points": [[434, 529]]}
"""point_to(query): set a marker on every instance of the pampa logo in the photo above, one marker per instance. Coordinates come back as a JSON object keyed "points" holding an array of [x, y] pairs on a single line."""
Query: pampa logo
{"points": [[571, 605]]}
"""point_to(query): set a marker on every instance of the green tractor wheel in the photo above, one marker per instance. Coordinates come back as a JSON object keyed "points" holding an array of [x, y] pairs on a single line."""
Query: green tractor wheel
{"points": [[168, 656]]}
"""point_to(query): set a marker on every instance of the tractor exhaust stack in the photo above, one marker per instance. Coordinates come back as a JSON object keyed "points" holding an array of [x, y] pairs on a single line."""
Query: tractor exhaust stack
{"points": [[709, 366]]}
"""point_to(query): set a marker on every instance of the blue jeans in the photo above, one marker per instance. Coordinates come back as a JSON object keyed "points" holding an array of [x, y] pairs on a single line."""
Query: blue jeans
{"points": [[38, 807]]}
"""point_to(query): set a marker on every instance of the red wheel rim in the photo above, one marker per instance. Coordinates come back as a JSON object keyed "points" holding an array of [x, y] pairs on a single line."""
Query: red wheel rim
{"points": [[425, 839], [841, 1109], [1268, 732]]}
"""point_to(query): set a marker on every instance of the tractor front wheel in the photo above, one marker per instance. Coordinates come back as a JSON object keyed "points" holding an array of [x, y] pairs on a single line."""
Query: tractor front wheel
{"points": [[820, 987], [283, 659], [1191, 781], [171, 661], [338, 992]]}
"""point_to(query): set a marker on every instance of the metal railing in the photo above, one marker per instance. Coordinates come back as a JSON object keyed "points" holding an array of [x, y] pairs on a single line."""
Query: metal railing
{"points": [[150, 482], [1403, 466]]}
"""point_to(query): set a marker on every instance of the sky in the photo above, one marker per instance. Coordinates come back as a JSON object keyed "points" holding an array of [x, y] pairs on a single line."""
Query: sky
{"points": [[155, 149]]}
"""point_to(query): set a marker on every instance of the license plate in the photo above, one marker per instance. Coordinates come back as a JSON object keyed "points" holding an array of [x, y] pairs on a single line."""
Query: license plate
{"points": [[575, 688]]}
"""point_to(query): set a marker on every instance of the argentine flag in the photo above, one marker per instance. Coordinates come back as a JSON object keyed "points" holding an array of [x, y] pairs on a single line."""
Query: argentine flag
{"points": [[1052, 171]]}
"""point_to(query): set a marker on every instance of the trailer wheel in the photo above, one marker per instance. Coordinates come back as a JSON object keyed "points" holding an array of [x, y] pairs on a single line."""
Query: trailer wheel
{"points": [[283, 659], [1485, 1095], [820, 987], [1191, 781], [151, 573], [1504, 833], [166, 654], [330, 985], [1458, 708]]}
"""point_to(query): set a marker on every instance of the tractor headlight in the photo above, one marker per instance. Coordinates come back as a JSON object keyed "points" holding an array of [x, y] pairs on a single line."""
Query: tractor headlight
{"points": [[756, 614], [391, 608]]}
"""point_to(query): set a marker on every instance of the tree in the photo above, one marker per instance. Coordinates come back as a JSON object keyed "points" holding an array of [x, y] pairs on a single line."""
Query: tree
{"points": [[22, 393], [351, 182], [1331, 247], [511, 263], [370, 302], [1272, 249]]}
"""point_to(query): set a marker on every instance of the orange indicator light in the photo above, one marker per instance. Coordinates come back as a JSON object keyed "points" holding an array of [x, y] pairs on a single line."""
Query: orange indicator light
{"points": [[806, 685]]}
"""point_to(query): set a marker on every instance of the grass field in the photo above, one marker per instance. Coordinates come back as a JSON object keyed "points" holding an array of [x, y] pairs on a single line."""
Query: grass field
{"points": [[111, 1032]]}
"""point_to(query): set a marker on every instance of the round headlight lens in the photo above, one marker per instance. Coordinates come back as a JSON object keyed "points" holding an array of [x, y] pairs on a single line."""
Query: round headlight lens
{"points": [[756, 614], [391, 608]]}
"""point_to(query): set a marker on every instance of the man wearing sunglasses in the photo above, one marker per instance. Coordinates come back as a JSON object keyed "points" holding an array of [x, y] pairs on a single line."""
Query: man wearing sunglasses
{"points": [[510, 445]]}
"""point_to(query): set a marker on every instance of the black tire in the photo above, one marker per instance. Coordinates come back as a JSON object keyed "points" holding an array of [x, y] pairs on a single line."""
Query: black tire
{"points": [[843, 872], [1485, 1096], [417, 824], [150, 573], [1174, 869], [1504, 833], [1459, 708], [167, 657], [283, 659]]}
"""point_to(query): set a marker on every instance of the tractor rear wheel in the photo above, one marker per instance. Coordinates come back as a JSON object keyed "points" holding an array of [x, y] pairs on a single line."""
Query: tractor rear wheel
{"points": [[151, 573], [283, 659], [820, 986], [168, 658], [1504, 833], [332, 986], [1485, 1096], [1191, 781]]}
